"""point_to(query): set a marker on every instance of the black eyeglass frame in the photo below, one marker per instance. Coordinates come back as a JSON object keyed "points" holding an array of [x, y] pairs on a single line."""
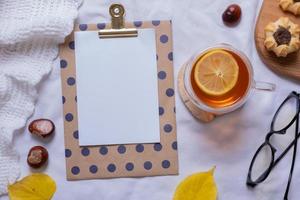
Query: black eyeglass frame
{"points": [[274, 162]]}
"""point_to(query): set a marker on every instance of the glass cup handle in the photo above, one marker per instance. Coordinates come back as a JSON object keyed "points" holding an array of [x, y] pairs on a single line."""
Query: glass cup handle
{"points": [[260, 85]]}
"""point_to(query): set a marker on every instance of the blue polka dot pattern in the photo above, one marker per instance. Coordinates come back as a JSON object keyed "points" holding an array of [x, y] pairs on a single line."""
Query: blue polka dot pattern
{"points": [[69, 117], [170, 92], [129, 166], [83, 27], [161, 110], [147, 165], [165, 164], [174, 145], [85, 151], [75, 170], [155, 22], [103, 150], [93, 169], [138, 157], [72, 45], [63, 99], [121, 149], [101, 26], [63, 64], [71, 81], [170, 56], [111, 168], [157, 147], [137, 23], [68, 153], [164, 38], [139, 148], [168, 128], [162, 75], [75, 134]]}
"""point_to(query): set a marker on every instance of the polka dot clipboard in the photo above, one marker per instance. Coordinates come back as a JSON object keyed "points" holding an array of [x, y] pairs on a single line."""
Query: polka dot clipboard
{"points": [[128, 160]]}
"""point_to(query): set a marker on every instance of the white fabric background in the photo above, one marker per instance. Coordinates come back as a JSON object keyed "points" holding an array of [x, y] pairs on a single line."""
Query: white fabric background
{"points": [[229, 142]]}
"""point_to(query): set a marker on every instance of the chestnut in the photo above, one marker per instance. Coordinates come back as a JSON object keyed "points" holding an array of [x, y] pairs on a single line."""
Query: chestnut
{"points": [[232, 14], [41, 127], [37, 156]]}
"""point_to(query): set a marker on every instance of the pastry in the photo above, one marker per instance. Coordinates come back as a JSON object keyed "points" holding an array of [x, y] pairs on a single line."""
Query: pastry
{"points": [[291, 6], [282, 37]]}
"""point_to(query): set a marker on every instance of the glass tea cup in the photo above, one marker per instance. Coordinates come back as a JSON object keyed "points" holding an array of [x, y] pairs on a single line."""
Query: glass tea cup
{"points": [[232, 99]]}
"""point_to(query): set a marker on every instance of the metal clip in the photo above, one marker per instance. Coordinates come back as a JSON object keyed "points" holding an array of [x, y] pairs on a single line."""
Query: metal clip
{"points": [[117, 13]]}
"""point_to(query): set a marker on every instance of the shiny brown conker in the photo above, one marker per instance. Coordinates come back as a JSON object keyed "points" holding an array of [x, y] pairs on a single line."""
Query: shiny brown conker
{"points": [[41, 127], [37, 156], [232, 14]]}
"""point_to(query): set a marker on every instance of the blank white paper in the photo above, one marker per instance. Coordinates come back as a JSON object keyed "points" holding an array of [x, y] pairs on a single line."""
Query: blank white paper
{"points": [[117, 89]]}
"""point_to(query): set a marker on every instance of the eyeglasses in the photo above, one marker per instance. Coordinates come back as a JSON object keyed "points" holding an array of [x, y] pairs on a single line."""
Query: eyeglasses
{"points": [[264, 159]]}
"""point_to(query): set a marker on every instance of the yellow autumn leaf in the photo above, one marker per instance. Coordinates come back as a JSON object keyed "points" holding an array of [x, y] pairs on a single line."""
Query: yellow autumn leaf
{"points": [[199, 186], [33, 187]]}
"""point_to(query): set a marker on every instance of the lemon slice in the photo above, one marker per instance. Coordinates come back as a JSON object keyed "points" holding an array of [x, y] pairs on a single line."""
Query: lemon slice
{"points": [[216, 73]]}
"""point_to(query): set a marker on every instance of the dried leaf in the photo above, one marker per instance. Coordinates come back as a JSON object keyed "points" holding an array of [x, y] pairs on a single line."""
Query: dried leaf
{"points": [[33, 187], [199, 186]]}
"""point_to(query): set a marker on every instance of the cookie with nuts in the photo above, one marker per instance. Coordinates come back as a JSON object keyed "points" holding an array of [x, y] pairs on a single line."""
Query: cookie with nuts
{"points": [[292, 6], [282, 37]]}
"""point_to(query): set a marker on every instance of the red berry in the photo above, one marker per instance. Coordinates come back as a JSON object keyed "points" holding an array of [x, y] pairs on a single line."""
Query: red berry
{"points": [[41, 127], [232, 14], [37, 156]]}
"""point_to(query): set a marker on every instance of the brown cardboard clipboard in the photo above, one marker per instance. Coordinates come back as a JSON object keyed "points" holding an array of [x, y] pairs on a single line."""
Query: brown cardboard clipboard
{"points": [[133, 160]]}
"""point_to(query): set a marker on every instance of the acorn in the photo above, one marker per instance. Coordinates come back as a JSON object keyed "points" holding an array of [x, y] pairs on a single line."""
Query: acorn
{"points": [[41, 127], [37, 156], [232, 15]]}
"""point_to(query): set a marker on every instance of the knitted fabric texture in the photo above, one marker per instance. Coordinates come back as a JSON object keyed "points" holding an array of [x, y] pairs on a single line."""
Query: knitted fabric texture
{"points": [[29, 36]]}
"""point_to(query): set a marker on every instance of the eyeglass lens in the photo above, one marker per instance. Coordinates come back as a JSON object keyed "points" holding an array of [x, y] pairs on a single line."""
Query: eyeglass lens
{"points": [[285, 114], [284, 117], [262, 162]]}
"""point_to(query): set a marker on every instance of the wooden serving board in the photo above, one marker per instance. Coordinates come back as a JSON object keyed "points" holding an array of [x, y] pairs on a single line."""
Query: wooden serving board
{"points": [[289, 66]]}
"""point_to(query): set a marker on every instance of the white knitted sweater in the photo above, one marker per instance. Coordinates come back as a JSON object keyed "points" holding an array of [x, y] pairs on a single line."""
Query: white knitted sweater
{"points": [[29, 36]]}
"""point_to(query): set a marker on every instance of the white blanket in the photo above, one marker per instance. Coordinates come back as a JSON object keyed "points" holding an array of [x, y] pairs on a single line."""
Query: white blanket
{"points": [[29, 36], [229, 142]]}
